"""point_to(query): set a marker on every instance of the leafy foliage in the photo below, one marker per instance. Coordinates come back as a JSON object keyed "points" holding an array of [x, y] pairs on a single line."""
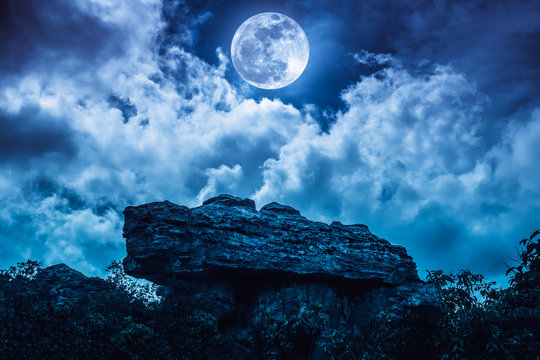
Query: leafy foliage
{"points": [[145, 292], [526, 272], [27, 270]]}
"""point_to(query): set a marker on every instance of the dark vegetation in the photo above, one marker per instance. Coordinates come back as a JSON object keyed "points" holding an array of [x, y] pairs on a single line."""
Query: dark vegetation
{"points": [[124, 320]]}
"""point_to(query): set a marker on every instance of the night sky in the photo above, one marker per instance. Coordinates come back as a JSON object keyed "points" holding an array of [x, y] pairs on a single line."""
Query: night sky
{"points": [[420, 119]]}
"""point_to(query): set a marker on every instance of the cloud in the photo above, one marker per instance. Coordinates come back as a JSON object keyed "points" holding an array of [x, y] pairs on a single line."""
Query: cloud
{"points": [[140, 117], [491, 43], [220, 181], [515, 158], [370, 59], [93, 157], [410, 157], [36, 34], [47, 221], [31, 134], [125, 106], [399, 134]]}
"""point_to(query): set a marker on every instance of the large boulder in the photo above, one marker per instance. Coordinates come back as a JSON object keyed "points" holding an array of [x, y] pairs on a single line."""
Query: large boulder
{"points": [[69, 285], [227, 234], [254, 269]]}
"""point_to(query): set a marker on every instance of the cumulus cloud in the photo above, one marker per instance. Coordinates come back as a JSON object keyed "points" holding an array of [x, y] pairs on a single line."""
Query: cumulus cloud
{"points": [[136, 127], [400, 135], [30, 133], [410, 158], [220, 181]]}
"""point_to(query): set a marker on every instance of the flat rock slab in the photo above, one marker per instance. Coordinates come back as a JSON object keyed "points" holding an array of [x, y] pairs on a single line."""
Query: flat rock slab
{"points": [[227, 236]]}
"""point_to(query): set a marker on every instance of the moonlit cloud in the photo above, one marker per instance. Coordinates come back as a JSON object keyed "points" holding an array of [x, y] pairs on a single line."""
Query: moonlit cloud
{"points": [[409, 157], [120, 109], [399, 145]]}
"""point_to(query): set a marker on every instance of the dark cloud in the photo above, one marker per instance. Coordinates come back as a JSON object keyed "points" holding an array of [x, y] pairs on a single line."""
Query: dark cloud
{"points": [[42, 187], [124, 105], [182, 21], [492, 42], [30, 134], [42, 33]]}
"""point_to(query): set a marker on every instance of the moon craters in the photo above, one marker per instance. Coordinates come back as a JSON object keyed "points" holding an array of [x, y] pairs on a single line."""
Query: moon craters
{"points": [[270, 50]]}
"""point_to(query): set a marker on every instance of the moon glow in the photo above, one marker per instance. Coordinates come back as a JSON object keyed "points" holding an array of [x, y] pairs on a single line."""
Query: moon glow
{"points": [[270, 50]]}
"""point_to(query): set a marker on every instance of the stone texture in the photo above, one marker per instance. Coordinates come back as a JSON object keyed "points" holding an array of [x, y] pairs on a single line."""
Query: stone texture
{"points": [[68, 285], [229, 234], [258, 271]]}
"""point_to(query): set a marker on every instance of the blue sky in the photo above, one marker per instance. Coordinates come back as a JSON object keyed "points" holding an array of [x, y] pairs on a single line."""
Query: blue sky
{"points": [[419, 119]]}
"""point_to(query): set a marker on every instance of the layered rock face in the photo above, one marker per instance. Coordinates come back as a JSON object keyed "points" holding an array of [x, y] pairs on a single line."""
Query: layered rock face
{"points": [[252, 268]]}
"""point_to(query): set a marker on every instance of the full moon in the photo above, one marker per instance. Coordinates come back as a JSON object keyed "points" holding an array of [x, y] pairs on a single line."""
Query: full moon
{"points": [[270, 50]]}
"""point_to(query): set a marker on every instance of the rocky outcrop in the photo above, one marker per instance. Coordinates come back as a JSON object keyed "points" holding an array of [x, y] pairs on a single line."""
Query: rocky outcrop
{"points": [[67, 285], [228, 234], [248, 267]]}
